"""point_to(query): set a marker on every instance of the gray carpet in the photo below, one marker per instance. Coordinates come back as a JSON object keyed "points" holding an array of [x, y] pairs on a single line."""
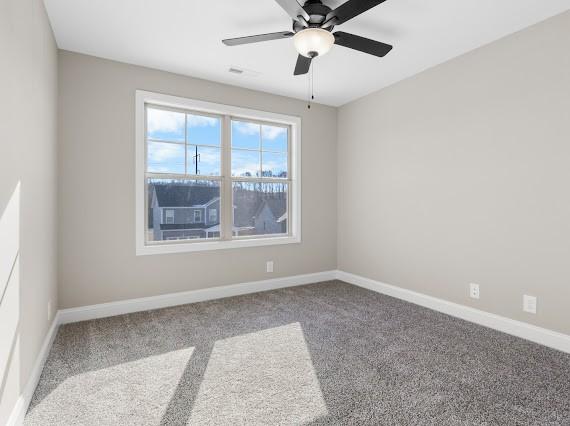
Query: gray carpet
{"points": [[327, 353]]}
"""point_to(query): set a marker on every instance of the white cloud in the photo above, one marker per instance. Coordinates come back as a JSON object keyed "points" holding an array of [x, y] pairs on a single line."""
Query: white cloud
{"points": [[165, 157], [272, 132], [165, 121], [201, 121], [246, 128], [173, 122], [250, 129], [244, 162]]}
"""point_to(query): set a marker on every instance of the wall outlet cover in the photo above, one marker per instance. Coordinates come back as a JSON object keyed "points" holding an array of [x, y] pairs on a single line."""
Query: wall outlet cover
{"points": [[474, 291], [529, 304], [269, 266]]}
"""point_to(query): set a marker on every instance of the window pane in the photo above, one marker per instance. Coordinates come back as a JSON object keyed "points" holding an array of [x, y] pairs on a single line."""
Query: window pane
{"points": [[274, 164], [165, 125], [245, 163], [274, 138], [203, 130], [246, 135], [259, 208], [165, 158], [180, 210], [204, 160]]}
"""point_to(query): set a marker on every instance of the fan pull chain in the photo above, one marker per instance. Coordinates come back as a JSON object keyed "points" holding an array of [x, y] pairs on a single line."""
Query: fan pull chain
{"points": [[311, 94], [309, 90]]}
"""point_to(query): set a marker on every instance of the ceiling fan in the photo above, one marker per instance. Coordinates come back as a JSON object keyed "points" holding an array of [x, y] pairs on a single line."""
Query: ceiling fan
{"points": [[312, 34]]}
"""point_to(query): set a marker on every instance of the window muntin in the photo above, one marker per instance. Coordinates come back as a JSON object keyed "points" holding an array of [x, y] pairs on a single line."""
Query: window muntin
{"points": [[273, 142]]}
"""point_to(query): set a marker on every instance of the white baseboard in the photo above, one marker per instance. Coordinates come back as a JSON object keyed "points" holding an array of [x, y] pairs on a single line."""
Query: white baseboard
{"points": [[520, 329], [19, 411], [162, 301]]}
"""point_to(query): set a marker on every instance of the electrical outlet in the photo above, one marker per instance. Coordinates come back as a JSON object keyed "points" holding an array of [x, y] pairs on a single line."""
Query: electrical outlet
{"points": [[529, 304], [474, 291], [269, 266]]}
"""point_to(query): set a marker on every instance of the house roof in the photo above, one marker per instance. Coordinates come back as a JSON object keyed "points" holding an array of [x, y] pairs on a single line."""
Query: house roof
{"points": [[177, 195], [246, 204], [277, 206]]}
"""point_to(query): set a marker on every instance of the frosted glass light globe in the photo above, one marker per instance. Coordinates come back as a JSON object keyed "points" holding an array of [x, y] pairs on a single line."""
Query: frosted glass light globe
{"points": [[312, 42]]}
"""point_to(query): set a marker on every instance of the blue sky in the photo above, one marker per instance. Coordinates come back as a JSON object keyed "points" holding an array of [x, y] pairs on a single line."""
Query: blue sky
{"points": [[250, 143]]}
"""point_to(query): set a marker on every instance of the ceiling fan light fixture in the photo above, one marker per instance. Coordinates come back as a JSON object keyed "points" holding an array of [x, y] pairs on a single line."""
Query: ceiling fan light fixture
{"points": [[312, 42]]}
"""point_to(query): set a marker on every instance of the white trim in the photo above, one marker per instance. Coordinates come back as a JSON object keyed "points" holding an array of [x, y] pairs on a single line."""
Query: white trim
{"points": [[19, 411], [174, 299], [520, 329], [294, 227]]}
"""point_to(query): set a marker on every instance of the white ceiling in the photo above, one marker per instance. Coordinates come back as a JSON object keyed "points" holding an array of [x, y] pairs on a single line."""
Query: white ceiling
{"points": [[184, 36]]}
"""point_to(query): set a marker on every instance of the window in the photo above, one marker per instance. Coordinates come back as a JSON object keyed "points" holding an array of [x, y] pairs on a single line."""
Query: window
{"points": [[169, 216], [259, 154], [237, 168]]}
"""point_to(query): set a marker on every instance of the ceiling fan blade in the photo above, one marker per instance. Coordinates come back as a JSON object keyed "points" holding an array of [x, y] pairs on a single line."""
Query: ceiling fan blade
{"points": [[362, 44], [303, 65], [349, 10], [257, 38], [293, 9]]}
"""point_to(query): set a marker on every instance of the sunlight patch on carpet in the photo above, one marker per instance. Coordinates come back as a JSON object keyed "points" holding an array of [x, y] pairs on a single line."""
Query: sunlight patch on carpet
{"points": [[263, 377], [138, 390]]}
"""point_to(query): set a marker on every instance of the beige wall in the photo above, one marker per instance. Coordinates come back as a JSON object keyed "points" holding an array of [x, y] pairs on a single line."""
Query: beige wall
{"points": [[97, 160], [461, 174], [28, 83]]}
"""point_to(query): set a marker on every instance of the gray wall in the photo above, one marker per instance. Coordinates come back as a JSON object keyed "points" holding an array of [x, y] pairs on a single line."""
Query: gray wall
{"points": [[461, 174], [28, 83], [97, 237]]}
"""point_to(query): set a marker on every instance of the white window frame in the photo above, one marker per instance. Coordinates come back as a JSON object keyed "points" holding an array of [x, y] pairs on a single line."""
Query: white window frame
{"points": [[197, 212], [142, 98]]}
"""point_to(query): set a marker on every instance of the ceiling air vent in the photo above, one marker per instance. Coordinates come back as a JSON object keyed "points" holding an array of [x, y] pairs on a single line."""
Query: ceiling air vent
{"points": [[243, 71]]}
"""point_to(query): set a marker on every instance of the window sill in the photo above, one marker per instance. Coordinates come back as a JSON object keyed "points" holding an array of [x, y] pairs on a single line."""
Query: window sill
{"points": [[214, 245]]}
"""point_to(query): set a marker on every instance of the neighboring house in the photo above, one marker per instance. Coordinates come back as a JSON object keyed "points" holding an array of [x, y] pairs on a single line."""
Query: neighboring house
{"points": [[180, 212], [185, 212], [268, 215]]}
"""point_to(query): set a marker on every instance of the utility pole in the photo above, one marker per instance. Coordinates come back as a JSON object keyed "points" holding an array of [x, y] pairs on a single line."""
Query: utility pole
{"points": [[196, 159]]}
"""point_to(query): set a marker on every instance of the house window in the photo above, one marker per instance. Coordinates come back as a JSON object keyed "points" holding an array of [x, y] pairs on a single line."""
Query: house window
{"points": [[169, 216], [192, 155], [212, 215]]}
